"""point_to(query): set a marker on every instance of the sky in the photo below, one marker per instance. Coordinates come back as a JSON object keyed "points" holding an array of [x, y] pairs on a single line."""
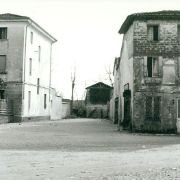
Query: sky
{"points": [[87, 34]]}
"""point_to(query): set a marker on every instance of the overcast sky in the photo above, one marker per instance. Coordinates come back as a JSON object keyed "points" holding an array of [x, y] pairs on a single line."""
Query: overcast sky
{"points": [[87, 34]]}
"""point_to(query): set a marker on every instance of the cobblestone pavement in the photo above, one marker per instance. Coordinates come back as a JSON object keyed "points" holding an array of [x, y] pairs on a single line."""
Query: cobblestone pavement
{"points": [[85, 149]]}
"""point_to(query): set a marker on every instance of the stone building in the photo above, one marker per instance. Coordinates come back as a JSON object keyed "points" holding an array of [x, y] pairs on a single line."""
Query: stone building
{"points": [[97, 100], [25, 68], [147, 74]]}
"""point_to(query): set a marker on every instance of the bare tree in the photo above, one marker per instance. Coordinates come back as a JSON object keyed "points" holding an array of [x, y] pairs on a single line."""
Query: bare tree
{"points": [[109, 74]]}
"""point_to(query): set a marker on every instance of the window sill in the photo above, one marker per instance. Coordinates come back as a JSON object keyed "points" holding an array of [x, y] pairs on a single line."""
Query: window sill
{"points": [[152, 80], [155, 41], [152, 121], [3, 39], [3, 72]]}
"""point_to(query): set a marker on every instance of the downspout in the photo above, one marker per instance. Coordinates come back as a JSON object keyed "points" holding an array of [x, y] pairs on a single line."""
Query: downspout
{"points": [[50, 81], [24, 68], [132, 99]]}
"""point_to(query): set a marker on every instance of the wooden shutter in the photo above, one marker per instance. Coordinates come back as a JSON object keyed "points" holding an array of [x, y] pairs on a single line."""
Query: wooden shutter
{"points": [[2, 64], [145, 67], [178, 33], [149, 113], [157, 103], [155, 67], [150, 33], [160, 60]]}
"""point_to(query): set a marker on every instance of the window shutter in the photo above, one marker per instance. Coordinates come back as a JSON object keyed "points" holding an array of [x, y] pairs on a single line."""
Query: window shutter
{"points": [[150, 33], [149, 103], [160, 60], [157, 105], [2, 64], [155, 67], [178, 33], [145, 66]]}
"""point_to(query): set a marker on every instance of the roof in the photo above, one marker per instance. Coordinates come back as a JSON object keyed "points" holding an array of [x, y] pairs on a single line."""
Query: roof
{"points": [[99, 85], [7, 16], [158, 15], [14, 17]]}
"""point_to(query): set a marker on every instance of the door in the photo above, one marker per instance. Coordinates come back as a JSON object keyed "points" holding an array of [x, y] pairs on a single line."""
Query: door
{"points": [[127, 109], [178, 115], [116, 110]]}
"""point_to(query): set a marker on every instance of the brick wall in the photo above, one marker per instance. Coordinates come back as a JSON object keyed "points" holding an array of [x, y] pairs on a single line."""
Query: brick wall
{"points": [[168, 44], [166, 85]]}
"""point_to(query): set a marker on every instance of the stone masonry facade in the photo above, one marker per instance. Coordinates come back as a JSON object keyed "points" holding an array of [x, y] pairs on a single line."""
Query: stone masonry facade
{"points": [[154, 106], [166, 48]]}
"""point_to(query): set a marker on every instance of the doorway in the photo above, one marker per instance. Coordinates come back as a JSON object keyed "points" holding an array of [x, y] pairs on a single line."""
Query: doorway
{"points": [[178, 115], [116, 110], [127, 109]]}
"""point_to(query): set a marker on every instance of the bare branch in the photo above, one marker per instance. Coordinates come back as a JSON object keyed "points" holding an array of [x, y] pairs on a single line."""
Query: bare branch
{"points": [[109, 74]]}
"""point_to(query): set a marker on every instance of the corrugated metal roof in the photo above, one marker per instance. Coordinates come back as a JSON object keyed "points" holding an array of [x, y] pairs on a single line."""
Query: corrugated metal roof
{"points": [[158, 15]]}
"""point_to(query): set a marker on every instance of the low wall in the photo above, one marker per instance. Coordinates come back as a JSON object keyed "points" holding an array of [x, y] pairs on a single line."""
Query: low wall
{"points": [[97, 111], [65, 109], [56, 108]]}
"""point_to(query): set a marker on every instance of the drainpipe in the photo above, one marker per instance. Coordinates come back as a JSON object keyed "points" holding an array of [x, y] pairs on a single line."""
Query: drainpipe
{"points": [[50, 80], [24, 66]]}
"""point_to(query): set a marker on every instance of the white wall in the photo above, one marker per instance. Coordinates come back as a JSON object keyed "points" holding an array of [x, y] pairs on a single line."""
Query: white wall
{"points": [[65, 109], [40, 69], [56, 107], [37, 102], [126, 68]]}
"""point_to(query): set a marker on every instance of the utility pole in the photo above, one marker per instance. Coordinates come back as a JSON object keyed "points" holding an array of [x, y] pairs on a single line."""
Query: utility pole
{"points": [[73, 78]]}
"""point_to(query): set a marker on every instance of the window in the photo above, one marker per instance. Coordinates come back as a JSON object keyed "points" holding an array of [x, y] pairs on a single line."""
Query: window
{"points": [[2, 94], [31, 37], [29, 100], [152, 67], [2, 64], [3, 33], [153, 33], [38, 81], [178, 108], [45, 105], [30, 66], [39, 52], [178, 32], [153, 105]]}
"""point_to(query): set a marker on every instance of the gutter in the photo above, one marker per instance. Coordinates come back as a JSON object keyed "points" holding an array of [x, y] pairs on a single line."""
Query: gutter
{"points": [[50, 81], [24, 67]]}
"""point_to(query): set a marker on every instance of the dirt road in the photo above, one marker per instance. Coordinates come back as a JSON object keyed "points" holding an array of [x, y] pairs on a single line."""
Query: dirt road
{"points": [[85, 149]]}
